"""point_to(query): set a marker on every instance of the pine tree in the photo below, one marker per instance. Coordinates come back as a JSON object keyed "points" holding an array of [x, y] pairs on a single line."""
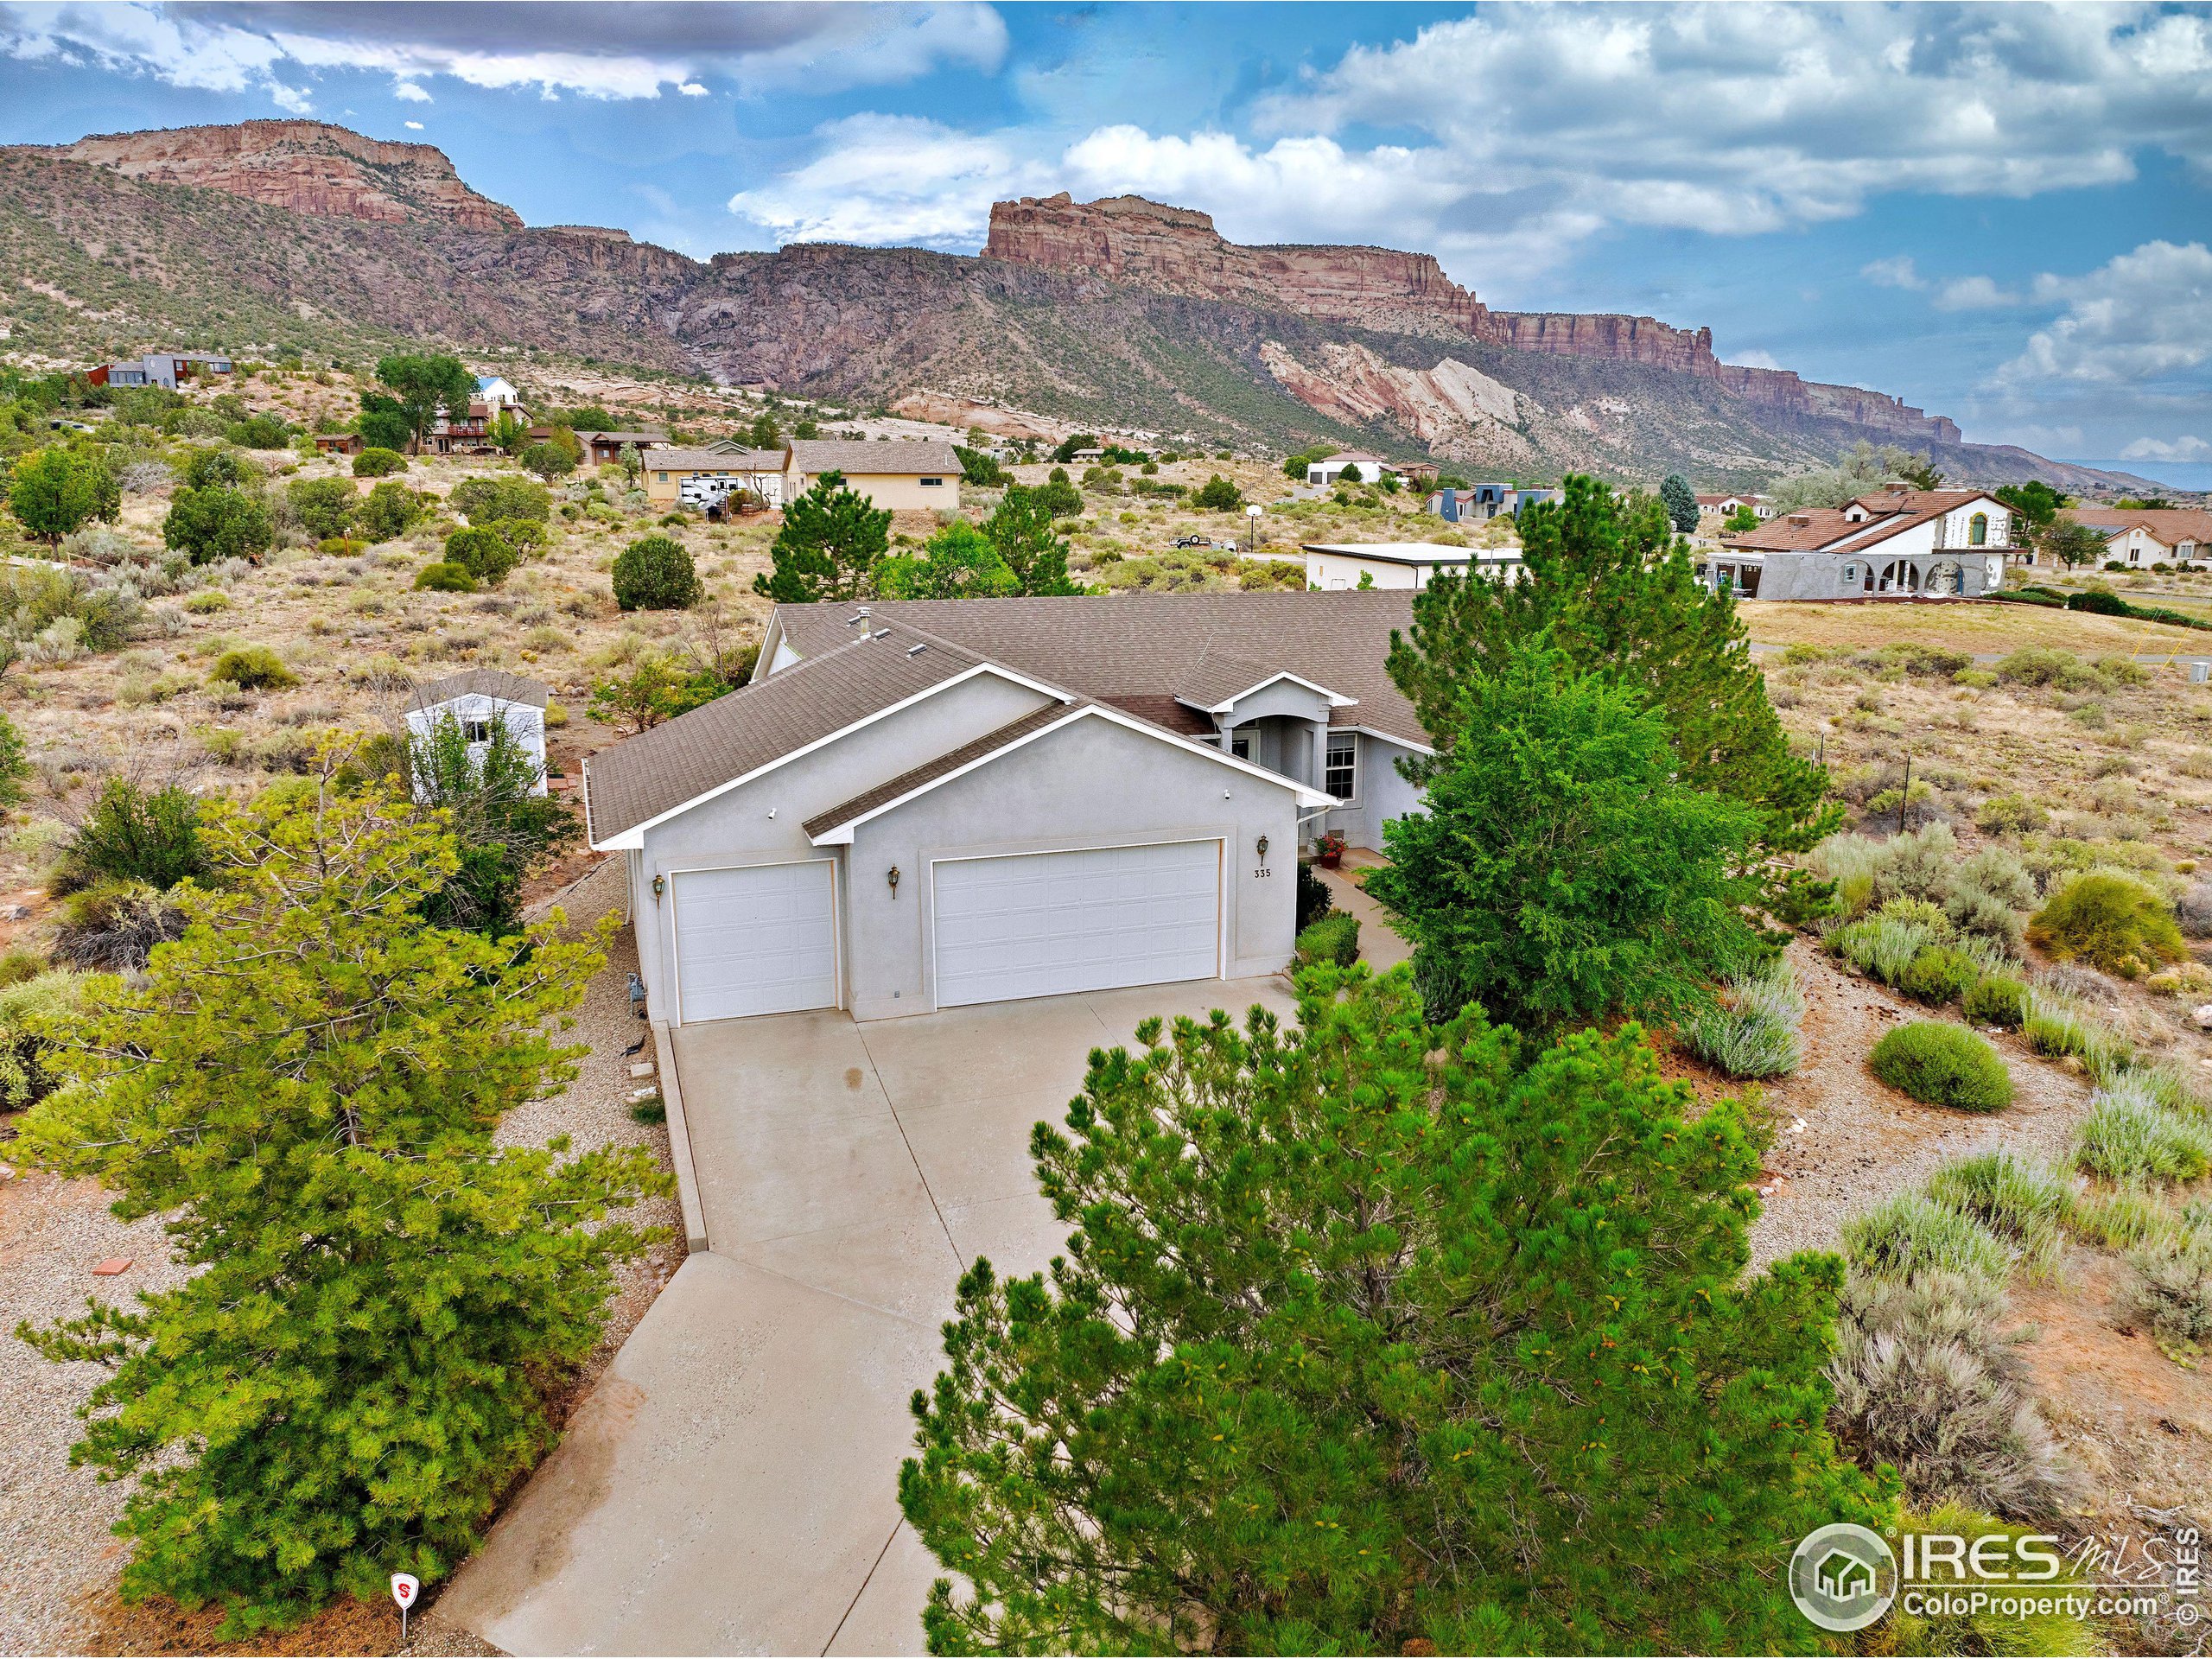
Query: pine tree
{"points": [[1562, 873], [1374, 1334], [828, 547], [384, 1303], [1021, 530], [1680, 502], [1611, 587]]}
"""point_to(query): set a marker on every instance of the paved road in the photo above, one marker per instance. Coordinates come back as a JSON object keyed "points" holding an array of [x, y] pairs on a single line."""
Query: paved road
{"points": [[730, 1486]]}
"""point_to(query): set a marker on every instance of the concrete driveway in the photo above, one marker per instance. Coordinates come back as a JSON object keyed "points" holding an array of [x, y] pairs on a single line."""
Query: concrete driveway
{"points": [[730, 1486]]}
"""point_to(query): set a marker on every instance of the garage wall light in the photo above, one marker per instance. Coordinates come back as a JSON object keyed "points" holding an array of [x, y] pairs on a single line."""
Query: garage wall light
{"points": [[894, 880], [660, 886], [1263, 846]]}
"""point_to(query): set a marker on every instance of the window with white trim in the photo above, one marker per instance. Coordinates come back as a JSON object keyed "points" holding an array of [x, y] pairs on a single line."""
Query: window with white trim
{"points": [[1240, 745], [1340, 774]]}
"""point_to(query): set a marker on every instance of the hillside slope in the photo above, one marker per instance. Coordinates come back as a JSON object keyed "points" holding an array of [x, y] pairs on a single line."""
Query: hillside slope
{"points": [[318, 239]]}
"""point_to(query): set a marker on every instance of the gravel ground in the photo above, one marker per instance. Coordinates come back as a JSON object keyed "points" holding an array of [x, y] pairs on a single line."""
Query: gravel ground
{"points": [[61, 1558], [1862, 1140]]}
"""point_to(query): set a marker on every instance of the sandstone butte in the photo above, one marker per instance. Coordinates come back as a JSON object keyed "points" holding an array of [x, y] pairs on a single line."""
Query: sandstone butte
{"points": [[306, 166], [310, 167], [1177, 250]]}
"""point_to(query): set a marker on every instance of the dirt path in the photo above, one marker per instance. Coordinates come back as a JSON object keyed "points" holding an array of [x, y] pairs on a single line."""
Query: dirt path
{"points": [[55, 1521], [1862, 1140]]}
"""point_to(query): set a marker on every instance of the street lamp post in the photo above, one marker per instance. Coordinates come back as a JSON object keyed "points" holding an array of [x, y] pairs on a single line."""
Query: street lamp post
{"points": [[1252, 517]]}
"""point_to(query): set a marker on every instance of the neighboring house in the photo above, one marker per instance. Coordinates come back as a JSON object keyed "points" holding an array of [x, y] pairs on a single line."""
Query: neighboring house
{"points": [[1477, 501], [1363, 467], [168, 369], [1423, 473], [896, 475], [496, 392], [1725, 506], [600, 448], [339, 443], [1898, 543], [467, 433], [923, 804], [759, 470], [480, 699], [1086, 457], [1333, 566], [2142, 536]]}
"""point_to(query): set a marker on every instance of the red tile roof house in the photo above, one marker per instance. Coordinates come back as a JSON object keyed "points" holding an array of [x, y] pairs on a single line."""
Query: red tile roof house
{"points": [[1897, 543], [924, 803]]}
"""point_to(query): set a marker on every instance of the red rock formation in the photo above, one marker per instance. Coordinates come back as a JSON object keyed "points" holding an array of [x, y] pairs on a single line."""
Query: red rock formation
{"points": [[1178, 250], [306, 166]]}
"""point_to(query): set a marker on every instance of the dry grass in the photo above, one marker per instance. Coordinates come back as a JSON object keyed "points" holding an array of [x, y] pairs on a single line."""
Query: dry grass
{"points": [[1969, 626]]}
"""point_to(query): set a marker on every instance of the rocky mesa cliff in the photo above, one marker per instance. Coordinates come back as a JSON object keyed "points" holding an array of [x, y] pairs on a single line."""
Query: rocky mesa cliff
{"points": [[1178, 250], [309, 166], [1122, 315]]}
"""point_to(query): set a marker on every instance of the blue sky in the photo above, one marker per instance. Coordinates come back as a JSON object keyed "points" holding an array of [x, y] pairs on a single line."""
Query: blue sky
{"points": [[1999, 214]]}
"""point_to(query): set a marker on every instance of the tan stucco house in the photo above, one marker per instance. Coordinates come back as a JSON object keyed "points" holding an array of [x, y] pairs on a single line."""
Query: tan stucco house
{"points": [[902, 476]]}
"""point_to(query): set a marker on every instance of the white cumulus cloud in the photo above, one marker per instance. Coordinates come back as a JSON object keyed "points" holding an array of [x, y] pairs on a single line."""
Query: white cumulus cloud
{"points": [[1897, 272], [891, 179], [2185, 449], [550, 48], [1975, 294], [408, 93], [2142, 316]]}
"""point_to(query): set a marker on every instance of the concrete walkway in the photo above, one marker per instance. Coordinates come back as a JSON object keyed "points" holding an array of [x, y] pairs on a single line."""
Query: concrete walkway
{"points": [[730, 1486], [1380, 945]]}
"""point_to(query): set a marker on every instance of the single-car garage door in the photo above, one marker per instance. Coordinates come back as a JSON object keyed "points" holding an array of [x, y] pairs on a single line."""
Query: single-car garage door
{"points": [[1044, 923], [762, 940]]}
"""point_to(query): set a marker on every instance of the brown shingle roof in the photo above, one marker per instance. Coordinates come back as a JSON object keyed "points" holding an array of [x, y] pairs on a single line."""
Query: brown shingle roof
{"points": [[2167, 526], [892, 788], [715, 461], [484, 682], [847, 679], [1136, 650], [814, 457]]}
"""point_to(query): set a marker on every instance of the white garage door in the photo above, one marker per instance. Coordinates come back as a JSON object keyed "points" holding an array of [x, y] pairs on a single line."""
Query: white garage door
{"points": [[1045, 924], [755, 941]]}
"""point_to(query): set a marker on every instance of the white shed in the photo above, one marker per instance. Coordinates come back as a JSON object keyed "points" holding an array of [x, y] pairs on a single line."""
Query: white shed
{"points": [[475, 699], [1333, 565]]}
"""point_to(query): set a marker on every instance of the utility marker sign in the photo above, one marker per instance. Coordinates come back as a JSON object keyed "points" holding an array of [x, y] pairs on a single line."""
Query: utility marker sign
{"points": [[405, 1586]]}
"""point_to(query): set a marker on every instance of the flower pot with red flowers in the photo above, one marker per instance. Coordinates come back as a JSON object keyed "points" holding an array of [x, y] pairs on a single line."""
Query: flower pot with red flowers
{"points": [[1329, 850]]}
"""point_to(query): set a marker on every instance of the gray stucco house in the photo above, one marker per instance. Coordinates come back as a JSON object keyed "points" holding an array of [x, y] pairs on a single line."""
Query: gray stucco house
{"points": [[925, 804]]}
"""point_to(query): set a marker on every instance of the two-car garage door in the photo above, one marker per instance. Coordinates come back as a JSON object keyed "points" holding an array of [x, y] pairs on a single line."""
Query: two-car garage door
{"points": [[763, 939], [1047, 924]]}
